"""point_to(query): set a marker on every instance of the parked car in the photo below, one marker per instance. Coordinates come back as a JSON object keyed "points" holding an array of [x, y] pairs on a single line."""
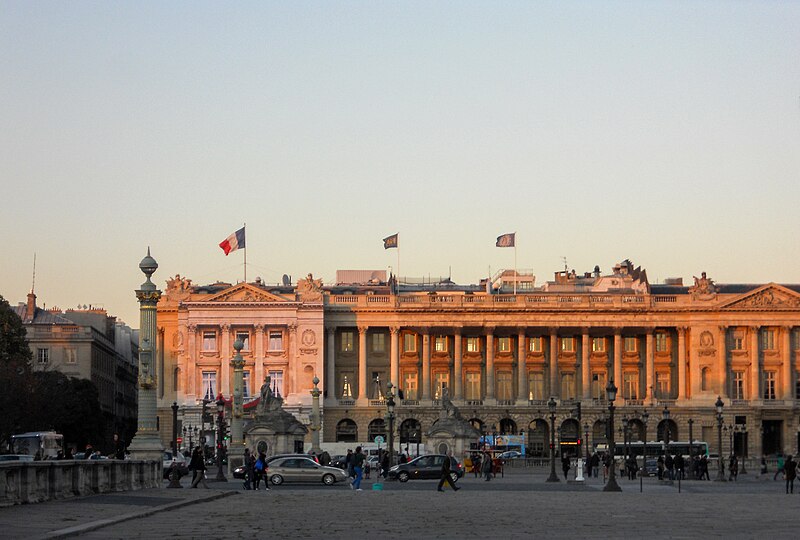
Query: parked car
{"points": [[179, 461], [302, 469], [239, 473], [16, 457], [338, 461], [651, 467], [511, 454], [423, 467]]}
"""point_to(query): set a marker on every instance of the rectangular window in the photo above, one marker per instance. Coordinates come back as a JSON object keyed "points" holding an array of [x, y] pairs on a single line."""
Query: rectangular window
{"points": [[348, 342], [210, 385], [599, 385], [71, 356], [440, 381], [244, 337], [630, 386], [410, 343], [245, 384], [472, 390], [567, 344], [275, 340], [378, 343], [796, 339], [737, 340], [598, 344], [473, 344], [440, 344], [43, 356], [536, 385], [661, 342], [276, 377], [768, 339], [662, 385], [629, 344], [209, 340], [504, 385], [567, 386], [535, 344], [738, 385], [797, 386], [504, 344], [410, 385], [769, 385]]}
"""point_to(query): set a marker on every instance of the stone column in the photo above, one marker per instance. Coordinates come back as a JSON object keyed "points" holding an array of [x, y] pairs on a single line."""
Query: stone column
{"points": [[586, 354], [394, 355], [755, 368], [458, 375], [722, 361], [682, 363], [555, 388], [490, 362], [294, 364], [146, 444], [330, 373], [224, 370], [236, 449], [787, 368], [258, 376], [522, 368], [426, 364], [650, 366], [191, 364], [362, 362], [618, 359]]}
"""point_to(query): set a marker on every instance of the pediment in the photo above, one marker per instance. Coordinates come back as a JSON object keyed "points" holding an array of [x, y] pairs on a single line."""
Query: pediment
{"points": [[768, 297], [244, 292]]}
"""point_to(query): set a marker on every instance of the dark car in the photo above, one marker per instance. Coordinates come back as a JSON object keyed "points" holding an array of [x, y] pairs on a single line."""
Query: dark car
{"points": [[426, 467], [651, 467]]}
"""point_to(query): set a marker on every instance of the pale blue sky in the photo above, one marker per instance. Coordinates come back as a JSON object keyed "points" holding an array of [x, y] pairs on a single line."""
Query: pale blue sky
{"points": [[663, 132]]}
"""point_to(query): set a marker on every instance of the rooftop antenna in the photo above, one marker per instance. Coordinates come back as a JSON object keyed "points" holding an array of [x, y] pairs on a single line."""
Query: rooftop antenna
{"points": [[33, 284], [566, 268]]}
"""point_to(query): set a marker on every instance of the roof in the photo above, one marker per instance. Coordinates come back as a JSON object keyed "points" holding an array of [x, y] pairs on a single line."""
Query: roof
{"points": [[41, 316]]}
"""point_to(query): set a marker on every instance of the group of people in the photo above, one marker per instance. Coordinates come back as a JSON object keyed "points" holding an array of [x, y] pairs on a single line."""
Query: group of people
{"points": [[786, 466], [483, 465], [255, 470]]}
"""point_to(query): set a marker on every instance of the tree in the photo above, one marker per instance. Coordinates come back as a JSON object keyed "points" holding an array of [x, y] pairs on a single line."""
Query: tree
{"points": [[15, 372]]}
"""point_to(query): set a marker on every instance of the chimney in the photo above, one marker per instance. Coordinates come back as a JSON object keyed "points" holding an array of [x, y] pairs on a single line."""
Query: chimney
{"points": [[30, 310]]}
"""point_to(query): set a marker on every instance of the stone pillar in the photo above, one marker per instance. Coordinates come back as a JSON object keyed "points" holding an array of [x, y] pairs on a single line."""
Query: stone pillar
{"points": [[224, 371], [362, 363], [618, 359], [426, 364], [586, 355], [258, 376], [755, 368], [786, 356], [722, 361], [394, 355], [522, 368], [682, 363], [490, 362], [330, 373], [191, 361], [458, 371], [315, 417], [294, 364], [650, 367], [555, 388], [236, 448], [146, 444]]}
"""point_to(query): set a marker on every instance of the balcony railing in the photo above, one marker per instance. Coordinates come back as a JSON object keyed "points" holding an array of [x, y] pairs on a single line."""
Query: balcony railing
{"points": [[474, 402], [377, 402], [505, 402], [634, 402], [347, 402], [409, 402]]}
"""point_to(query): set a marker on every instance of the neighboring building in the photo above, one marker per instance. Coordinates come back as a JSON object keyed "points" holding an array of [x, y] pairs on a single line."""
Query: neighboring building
{"points": [[87, 343], [501, 356]]}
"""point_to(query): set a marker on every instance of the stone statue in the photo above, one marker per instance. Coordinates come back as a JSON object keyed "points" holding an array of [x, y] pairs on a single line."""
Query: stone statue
{"points": [[269, 401], [448, 409], [310, 289], [703, 285]]}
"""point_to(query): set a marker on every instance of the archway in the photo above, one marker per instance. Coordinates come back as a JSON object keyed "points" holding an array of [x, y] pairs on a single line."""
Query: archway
{"points": [[346, 431], [599, 433], [673, 430], [411, 433], [570, 433], [538, 438], [636, 430], [508, 427], [376, 428]]}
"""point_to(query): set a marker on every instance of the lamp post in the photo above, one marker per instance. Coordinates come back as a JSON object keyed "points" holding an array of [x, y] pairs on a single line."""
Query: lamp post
{"points": [[174, 428], [551, 404], [390, 420], [586, 439], [665, 414], [691, 439], [611, 395], [719, 405], [743, 470], [220, 415], [645, 418]]}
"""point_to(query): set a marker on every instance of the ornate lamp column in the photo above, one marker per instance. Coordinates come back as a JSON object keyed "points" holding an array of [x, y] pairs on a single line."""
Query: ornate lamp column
{"points": [[551, 404], [236, 449], [390, 419], [611, 395], [719, 405], [315, 417], [146, 444]]}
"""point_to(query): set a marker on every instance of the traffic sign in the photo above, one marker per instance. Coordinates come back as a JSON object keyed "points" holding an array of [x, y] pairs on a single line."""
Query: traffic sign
{"points": [[379, 440], [179, 439]]}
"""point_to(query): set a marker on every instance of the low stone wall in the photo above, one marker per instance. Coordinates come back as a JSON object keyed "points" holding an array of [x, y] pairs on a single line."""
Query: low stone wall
{"points": [[37, 481]]}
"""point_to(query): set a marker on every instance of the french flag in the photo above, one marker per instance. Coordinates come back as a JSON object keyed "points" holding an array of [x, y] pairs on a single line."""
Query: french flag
{"points": [[233, 242]]}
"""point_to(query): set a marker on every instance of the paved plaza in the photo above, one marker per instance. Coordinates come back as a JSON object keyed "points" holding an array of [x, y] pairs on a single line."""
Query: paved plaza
{"points": [[519, 505]]}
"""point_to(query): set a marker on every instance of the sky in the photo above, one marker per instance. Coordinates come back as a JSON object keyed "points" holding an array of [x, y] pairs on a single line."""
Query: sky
{"points": [[666, 133]]}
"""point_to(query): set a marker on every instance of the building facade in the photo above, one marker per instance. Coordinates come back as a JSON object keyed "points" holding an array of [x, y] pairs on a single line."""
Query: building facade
{"points": [[501, 356]]}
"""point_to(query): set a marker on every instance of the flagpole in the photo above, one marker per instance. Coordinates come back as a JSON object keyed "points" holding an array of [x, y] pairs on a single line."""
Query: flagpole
{"points": [[515, 264], [245, 252], [398, 263]]}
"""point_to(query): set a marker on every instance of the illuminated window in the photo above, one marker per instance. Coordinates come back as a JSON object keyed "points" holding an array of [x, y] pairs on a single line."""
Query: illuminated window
{"points": [[536, 385], [661, 342], [440, 381], [504, 344], [348, 342], [567, 344], [473, 344], [440, 344], [630, 385], [630, 344], [598, 344], [410, 385], [409, 343], [535, 344]]}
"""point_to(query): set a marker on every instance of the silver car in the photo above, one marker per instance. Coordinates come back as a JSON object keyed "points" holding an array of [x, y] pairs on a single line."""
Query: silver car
{"points": [[303, 469]]}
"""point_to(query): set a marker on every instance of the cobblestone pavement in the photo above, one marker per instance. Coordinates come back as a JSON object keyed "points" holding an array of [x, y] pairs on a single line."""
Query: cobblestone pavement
{"points": [[520, 504]]}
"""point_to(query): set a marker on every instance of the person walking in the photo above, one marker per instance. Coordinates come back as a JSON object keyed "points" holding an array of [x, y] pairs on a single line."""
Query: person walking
{"points": [[679, 466], [733, 468], [780, 470], [660, 465], [198, 467], [248, 469], [704, 468], [565, 464], [259, 471], [594, 463], [669, 463], [476, 465], [348, 465], [385, 465], [445, 476], [358, 469], [790, 473], [486, 466]]}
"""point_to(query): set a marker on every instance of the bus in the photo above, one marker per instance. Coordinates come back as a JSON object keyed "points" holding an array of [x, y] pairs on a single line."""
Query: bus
{"points": [[46, 443], [656, 448]]}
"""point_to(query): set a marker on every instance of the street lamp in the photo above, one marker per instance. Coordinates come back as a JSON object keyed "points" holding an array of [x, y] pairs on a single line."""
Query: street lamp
{"points": [[586, 439], [220, 415], [691, 440], [720, 406], [551, 404], [645, 418], [611, 395], [174, 428], [666, 414], [390, 419], [743, 470]]}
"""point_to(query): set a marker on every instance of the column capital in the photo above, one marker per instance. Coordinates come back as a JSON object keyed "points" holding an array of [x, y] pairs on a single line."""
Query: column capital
{"points": [[723, 327], [226, 327], [682, 330], [394, 330], [552, 330], [585, 330], [754, 328], [259, 327], [489, 330], [363, 330], [191, 328], [330, 329], [617, 332], [787, 328], [292, 328]]}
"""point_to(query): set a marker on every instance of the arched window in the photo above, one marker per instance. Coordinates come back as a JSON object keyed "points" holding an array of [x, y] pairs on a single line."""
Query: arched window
{"points": [[599, 433], [538, 438], [376, 428], [673, 430], [410, 431], [508, 427], [346, 431]]}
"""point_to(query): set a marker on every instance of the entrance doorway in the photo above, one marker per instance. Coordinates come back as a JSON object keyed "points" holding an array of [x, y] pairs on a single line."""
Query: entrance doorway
{"points": [[771, 441]]}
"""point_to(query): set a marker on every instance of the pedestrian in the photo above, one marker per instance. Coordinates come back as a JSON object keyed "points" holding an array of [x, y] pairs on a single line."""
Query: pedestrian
{"points": [[348, 464], [486, 466], [669, 463], [119, 447], [385, 464], [358, 469], [780, 467], [445, 476], [476, 465], [249, 469], [594, 462], [260, 470], [733, 468], [790, 473], [704, 468], [565, 465], [679, 465], [660, 464], [198, 468], [403, 458], [367, 468], [764, 465], [607, 464]]}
